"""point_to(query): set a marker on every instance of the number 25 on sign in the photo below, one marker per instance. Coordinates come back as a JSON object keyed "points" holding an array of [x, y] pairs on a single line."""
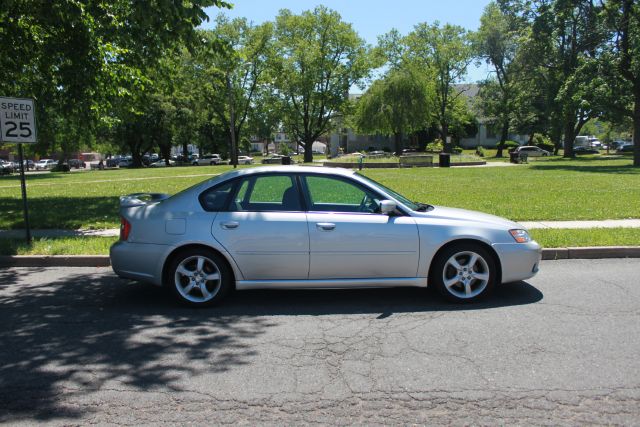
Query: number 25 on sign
{"points": [[17, 120]]}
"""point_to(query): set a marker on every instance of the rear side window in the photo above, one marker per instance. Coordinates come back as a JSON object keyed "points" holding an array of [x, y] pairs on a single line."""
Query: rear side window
{"points": [[267, 193], [215, 199]]}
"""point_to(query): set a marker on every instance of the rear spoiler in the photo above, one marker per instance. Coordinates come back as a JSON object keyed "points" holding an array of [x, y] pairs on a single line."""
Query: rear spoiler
{"points": [[141, 199]]}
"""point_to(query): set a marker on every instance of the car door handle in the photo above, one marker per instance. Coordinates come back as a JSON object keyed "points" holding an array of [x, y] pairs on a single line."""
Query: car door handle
{"points": [[229, 225], [325, 226]]}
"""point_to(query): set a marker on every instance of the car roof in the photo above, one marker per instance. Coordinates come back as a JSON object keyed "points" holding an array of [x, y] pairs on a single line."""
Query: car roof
{"points": [[287, 169]]}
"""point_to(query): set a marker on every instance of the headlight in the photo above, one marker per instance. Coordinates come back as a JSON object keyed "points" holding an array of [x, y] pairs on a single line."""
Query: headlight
{"points": [[520, 236]]}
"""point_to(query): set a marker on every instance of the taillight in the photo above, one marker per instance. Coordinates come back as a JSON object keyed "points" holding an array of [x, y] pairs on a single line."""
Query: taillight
{"points": [[125, 228]]}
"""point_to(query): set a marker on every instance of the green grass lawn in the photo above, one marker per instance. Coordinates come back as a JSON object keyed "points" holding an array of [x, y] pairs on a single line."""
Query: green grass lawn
{"points": [[550, 189], [548, 238]]}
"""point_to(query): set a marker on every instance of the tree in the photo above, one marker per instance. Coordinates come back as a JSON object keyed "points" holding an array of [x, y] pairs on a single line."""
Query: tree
{"points": [[563, 63], [446, 52], [396, 105], [231, 78], [496, 42], [624, 23], [317, 58], [75, 57]]}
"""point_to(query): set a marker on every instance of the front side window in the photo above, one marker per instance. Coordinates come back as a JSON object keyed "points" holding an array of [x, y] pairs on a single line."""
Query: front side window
{"points": [[328, 194], [267, 193]]}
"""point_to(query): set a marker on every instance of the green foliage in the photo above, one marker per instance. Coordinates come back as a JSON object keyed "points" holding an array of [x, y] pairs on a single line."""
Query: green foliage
{"points": [[75, 58], [436, 146], [445, 51], [511, 145], [398, 104], [317, 58]]}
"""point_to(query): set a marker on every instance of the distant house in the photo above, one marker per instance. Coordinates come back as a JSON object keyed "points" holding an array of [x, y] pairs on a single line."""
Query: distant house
{"points": [[487, 136]]}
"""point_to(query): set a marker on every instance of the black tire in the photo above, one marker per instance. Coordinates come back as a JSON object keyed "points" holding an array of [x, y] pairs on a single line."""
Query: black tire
{"points": [[458, 291], [212, 164], [196, 296]]}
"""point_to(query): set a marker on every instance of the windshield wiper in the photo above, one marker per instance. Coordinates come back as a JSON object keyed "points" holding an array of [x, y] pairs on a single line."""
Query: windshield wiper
{"points": [[423, 207]]}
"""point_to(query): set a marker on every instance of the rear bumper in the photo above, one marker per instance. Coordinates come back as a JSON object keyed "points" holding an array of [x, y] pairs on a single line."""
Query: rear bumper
{"points": [[520, 261], [139, 261]]}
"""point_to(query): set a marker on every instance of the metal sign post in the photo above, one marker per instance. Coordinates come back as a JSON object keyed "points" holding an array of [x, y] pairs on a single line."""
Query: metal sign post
{"points": [[18, 125], [23, 184]]}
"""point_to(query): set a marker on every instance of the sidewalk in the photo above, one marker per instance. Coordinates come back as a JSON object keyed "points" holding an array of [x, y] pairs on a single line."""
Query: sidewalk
{"points": [[112, 232]]}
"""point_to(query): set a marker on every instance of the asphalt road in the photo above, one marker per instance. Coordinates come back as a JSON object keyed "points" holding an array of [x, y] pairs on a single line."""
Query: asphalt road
{"points": [[80, 346]]}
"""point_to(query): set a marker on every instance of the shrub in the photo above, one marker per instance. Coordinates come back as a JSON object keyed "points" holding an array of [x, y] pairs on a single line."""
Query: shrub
{"points": [[456, 150], [480, 151], [435, 146], [511, 145]]}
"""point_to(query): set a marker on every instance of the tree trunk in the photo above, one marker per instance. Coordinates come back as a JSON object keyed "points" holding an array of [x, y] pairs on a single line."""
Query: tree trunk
{"points": [[569, 136], [185, 151], [397, 139], [503, 138], [556, 138], [636, 129], [445, 133], [308, 151]]}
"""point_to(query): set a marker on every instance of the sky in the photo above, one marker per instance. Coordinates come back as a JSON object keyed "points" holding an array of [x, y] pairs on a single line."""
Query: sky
{"points": [[371, 18]]}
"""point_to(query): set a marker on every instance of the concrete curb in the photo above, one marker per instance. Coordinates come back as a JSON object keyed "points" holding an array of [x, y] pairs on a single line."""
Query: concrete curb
{"points": [[592, 252]]}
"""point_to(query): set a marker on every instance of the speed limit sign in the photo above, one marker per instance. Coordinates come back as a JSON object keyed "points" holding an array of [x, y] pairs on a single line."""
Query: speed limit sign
{"points": [[17, 120]]}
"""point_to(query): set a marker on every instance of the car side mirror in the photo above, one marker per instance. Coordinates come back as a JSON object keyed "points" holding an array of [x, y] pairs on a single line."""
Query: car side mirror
{"points": [[387, 207]]}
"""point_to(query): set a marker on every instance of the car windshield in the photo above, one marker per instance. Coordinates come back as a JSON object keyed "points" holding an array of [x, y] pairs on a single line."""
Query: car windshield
{"points": [[408, 203]]}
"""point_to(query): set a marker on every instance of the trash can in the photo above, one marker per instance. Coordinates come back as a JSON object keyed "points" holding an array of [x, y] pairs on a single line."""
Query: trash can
{"points": [[444, 160], [513, 157], [286, 160]]}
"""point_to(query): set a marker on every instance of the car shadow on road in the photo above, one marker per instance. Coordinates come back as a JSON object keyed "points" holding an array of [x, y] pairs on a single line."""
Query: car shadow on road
{"points": [[362, 301], [69, 339]]}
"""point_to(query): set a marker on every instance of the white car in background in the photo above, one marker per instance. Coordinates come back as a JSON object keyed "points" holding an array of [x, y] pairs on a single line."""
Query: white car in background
{"points": [[245, 160], [207, 159], [46, 164], [532, 151]]}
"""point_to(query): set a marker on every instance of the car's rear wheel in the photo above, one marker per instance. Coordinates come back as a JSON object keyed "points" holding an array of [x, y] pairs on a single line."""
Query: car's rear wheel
{"points": [[464, 272], [198, 277]]}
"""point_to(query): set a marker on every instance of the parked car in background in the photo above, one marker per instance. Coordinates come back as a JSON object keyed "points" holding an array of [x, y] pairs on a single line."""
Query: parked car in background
{"points": [[76, 163], [531, 151], [28, 164], [46, 164], [585, 150], [246, 160], [6, 167], [627, 148], [279, 227], [162, 163], [125, 162], [271, 159], [207, 160], [618, 143]]}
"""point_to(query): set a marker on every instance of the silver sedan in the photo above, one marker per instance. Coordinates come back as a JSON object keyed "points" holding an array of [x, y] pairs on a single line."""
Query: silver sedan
{"points": [[309, 227]]}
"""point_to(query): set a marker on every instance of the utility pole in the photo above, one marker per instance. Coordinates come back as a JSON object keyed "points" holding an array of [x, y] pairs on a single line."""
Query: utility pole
{"points": [[232, 124]]}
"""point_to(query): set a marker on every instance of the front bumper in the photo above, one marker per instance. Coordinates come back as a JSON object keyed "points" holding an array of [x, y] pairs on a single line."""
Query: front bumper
{"points": [[520, 261], [139, 261]]}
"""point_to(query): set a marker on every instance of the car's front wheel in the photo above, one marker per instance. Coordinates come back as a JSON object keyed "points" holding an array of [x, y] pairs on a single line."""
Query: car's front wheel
{"points": [[464, 272], [199, 277]]}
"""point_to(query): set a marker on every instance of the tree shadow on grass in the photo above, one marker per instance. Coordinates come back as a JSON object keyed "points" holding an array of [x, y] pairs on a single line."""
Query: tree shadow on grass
{"points": [[589, 165], [94, 332], [60, 212]]}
